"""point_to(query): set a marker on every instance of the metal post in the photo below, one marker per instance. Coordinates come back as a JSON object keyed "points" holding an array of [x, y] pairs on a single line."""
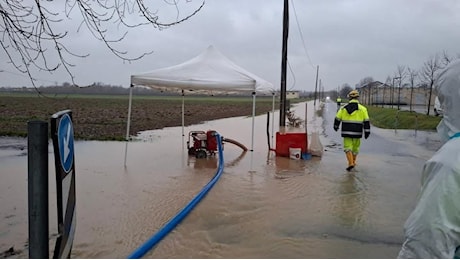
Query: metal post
{"points": [[411, 95], [253, 117], [129, 121], [383, 94], [392, 90], [37, 147], [273, 115]]}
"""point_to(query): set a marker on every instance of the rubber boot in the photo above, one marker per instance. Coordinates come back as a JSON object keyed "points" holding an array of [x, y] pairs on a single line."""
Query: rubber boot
{"points": [[351, 165], [354, 159]]}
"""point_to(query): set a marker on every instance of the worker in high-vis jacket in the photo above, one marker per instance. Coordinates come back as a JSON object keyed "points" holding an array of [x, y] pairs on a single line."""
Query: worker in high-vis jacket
{"points": [[355, 121], [339, 102], [432, 230]]}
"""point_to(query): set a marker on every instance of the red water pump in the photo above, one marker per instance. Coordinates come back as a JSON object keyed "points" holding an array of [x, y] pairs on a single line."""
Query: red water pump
{"points": [[201, 143]]}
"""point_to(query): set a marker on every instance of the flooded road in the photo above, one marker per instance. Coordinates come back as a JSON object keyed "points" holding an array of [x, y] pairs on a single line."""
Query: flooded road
{"points": [[263, 206]]}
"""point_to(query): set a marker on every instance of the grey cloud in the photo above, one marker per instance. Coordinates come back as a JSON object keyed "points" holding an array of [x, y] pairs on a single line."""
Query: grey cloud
{"points": [[348, 39]]}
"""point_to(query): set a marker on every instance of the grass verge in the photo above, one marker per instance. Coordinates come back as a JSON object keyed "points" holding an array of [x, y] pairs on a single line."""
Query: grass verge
{"points": [[392, 118]]}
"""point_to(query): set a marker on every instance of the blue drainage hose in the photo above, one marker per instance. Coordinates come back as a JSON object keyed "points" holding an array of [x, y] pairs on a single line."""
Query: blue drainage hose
{"points": [[168, 227]]}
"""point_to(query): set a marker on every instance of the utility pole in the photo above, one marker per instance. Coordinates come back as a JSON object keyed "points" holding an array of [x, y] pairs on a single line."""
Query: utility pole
{"points": [[316, 84], [283, 64], [320, 94]]}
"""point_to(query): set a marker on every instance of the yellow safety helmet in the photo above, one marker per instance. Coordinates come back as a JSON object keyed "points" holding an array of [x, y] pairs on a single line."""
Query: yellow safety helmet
{"points": [[353, 94]]}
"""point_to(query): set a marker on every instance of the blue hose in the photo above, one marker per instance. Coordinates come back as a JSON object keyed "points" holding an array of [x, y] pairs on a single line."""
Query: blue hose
{"points": [[168, 227]]}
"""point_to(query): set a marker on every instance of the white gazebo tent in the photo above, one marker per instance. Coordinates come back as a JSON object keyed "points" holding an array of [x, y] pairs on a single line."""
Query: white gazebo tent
{"points": [[209, 71]]}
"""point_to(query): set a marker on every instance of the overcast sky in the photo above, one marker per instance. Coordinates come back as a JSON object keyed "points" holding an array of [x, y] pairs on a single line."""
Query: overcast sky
{"points": [[348, 39]]}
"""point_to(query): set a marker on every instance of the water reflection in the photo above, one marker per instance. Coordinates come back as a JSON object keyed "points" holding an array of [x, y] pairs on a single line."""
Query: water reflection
{"points": [[325, 122], [285, 166], [198, 163], [212, 161], [350, 206]]}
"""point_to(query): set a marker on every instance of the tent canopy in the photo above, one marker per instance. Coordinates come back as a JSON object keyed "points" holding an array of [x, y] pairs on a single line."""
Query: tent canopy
{"points": [[210, 71]]}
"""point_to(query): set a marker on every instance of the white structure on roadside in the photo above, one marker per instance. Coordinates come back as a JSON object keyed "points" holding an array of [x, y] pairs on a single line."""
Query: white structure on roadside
{"points": [[292, 94]]}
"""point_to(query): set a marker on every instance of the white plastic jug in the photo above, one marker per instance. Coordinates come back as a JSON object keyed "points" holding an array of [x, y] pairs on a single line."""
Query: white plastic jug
{"points": [[295, 153]]}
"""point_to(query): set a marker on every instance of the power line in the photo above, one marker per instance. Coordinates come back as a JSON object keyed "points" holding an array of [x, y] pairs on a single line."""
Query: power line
{"points": [[293, 75], [301, 35]]}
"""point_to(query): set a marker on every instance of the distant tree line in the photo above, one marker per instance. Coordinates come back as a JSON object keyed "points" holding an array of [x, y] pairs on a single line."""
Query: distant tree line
{"points": [[406, 77], [95, 89], [107, 89]]}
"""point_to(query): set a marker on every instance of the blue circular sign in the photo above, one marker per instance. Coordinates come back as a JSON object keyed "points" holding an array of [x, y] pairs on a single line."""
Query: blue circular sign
{"points": [[65, 141]]}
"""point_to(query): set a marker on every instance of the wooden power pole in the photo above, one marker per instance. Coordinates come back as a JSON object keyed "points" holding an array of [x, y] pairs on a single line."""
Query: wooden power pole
{"points": [[316, 85], [283, 64]]}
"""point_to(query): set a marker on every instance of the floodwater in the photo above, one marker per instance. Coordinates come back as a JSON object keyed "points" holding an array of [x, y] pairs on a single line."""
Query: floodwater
{"points": [[263, 206]]}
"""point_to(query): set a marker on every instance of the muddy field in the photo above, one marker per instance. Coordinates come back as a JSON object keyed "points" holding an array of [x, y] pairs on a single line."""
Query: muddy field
{"points": [[105, 117]]}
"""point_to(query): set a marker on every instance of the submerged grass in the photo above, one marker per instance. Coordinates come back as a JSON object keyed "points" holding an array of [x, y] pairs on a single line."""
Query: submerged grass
{"points": [[392, 118]]}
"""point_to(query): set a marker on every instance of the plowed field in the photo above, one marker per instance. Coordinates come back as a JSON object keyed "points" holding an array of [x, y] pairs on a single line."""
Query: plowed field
{"points": [[105, 117]]}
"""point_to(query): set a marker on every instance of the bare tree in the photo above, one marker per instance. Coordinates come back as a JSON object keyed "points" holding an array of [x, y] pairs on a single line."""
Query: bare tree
{"points": [[412, 75], [387, 83], [428, 75], [32, 40], [446, 59], [400, 75], [365, 81], [346, 88]]}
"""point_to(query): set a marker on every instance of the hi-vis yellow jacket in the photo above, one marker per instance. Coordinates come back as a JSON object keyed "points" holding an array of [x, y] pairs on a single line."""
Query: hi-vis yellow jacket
{"points": [[354, 119]]}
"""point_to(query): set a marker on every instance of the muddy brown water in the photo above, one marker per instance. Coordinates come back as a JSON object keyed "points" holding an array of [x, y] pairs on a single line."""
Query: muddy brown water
{"points": [[263, 206]]}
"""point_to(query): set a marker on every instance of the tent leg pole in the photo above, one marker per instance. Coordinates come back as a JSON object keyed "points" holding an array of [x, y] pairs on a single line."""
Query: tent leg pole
{"points": [[273, 116], [183, 113], [183, 116], [253, 117], [129, 121], [183, 123]]}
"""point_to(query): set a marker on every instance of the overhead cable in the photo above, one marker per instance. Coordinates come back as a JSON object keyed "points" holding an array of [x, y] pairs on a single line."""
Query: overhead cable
{"points": [[301, 36]]}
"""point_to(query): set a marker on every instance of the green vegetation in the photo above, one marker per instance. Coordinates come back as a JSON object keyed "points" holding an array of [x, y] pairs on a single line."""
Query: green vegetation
{"points": [[391, 118]]}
